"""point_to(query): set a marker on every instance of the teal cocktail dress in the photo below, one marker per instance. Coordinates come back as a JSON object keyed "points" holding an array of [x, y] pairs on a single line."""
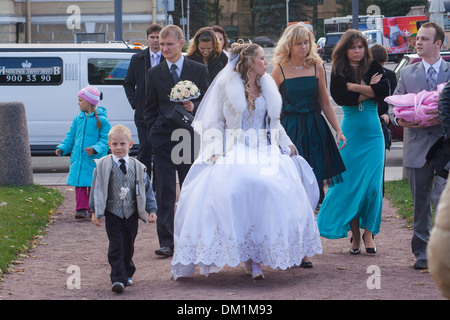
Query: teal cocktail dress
{"points": [[360, 195], [302, 119]]}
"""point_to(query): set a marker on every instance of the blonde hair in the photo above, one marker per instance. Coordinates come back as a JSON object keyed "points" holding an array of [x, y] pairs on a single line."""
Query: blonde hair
{"points": [[120, 130], [244, 66], [172, 30], [93, 108], [291, 35]]}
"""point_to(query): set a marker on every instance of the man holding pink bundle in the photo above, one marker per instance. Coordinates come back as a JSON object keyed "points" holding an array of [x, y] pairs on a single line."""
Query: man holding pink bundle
{"points": [[425, 185], [419, 107]]}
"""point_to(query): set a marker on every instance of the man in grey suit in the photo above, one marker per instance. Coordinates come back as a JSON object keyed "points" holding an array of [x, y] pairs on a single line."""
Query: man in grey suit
{"points": [[425, 185]]}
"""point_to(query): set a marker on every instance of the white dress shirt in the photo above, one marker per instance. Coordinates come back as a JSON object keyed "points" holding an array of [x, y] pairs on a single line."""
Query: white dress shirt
{"points": [[126, 158], [155, 57], [436, 66]]}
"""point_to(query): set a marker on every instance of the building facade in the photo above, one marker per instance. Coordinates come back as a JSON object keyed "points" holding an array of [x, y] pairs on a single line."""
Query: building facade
{"points": [[72, 21], [75, 21]]}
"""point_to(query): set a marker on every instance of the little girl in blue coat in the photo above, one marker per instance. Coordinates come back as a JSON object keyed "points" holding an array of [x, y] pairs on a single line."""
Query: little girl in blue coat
{"points": [[86, 140]]}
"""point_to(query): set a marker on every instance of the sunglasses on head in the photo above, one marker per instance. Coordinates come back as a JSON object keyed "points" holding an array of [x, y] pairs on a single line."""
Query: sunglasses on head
{"points": [[205, 36]]}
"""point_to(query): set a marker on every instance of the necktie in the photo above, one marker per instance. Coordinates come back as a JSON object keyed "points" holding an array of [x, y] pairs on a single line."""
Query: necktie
{"points": [[173, 71], [154, 59], [432, 79], [122, 166]]}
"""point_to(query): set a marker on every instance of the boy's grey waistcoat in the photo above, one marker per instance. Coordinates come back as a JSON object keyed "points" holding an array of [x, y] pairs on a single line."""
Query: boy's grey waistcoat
{"points": [[100, 187], [125, 206]]}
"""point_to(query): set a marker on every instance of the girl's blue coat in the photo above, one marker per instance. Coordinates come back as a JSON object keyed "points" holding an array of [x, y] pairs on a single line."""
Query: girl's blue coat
{"points": [[82, 134]]}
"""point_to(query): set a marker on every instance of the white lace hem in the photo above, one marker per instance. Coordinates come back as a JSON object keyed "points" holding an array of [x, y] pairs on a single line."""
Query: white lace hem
{"points": [[280, 251]]}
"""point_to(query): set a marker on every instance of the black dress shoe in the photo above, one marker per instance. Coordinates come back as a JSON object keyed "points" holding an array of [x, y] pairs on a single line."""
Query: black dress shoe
{"points": [[421, 264], [164, 251], [118, 287], [306, 264], [369, 250]]}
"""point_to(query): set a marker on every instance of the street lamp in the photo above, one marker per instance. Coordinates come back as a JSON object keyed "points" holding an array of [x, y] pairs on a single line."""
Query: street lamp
{"points": [[182, 18], [188, 14], [355, 14], [287, 13], [118, 20]]}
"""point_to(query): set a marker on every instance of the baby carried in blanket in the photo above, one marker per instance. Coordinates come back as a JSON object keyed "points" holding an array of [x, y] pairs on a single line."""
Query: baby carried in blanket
{"points": [[412, 107]]}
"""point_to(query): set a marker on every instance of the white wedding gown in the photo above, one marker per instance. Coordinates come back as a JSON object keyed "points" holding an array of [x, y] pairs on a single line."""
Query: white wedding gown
{"points": [[250, 204]]}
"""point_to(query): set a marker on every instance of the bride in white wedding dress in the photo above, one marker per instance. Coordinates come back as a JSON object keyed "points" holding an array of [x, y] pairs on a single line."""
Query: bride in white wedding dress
{"points": [[243, 199]]}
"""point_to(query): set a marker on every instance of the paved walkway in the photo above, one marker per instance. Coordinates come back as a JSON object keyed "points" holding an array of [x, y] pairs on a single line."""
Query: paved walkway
{"points": [[70, 262]]}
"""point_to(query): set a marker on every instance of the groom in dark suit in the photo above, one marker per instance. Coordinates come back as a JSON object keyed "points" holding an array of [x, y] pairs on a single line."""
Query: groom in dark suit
{"points": [[161, 80]]}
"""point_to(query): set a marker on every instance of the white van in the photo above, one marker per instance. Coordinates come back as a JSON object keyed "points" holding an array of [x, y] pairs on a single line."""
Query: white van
{"points": [[47, 78]]}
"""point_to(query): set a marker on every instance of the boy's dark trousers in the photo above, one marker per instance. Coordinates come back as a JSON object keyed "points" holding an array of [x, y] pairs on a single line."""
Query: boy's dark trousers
{"points": [[121, 234]]}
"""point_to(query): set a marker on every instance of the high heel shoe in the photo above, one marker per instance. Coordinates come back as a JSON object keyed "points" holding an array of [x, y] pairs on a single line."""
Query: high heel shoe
{"points": [[369, 250], [354, 251]]}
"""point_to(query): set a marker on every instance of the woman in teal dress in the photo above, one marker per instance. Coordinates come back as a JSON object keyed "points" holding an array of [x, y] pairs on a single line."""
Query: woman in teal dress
{"points": [[300, 76], [357, 84]]}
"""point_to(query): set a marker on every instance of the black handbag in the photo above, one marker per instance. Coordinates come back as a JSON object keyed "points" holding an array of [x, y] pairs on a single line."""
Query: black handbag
{"points": [[179, 117], [387, 134]]}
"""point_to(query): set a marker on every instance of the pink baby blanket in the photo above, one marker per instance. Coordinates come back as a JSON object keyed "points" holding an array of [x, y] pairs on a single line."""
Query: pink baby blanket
{"points": [[413, 107]]}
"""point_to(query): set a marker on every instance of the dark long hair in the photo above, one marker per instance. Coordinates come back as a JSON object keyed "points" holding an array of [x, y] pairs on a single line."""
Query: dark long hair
{"points": [[339, 59]]}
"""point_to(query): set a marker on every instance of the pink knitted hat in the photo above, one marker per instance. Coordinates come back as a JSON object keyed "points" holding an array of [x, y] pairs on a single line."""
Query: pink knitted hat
{"points": [[90, 94]]}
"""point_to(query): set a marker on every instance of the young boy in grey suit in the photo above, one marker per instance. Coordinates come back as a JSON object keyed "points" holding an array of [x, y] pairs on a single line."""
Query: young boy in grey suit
{"points": [[121, 192]]}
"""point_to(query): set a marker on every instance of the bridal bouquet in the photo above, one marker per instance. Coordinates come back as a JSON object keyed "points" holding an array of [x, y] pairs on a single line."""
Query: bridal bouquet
{"points": [[184, 90]]}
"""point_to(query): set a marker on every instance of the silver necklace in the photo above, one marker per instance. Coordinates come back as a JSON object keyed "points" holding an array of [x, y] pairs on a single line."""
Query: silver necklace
{"points": [[295, 67]]}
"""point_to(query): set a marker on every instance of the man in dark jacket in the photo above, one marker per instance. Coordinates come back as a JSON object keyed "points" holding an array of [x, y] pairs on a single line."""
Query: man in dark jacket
{"points": [[162, 78], [135, 86], [444, 117]]}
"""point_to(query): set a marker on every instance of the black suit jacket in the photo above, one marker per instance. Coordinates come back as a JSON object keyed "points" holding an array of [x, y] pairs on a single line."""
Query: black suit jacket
{"points": [[135, 83], [160, 84], [383, 107]]}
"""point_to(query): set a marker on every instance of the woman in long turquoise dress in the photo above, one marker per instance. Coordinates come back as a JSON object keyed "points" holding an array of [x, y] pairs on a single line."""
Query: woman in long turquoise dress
{"points": [[356, 84], [300, 76]]}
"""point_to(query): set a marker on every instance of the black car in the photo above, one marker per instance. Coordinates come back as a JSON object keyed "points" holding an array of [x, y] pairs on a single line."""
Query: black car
{"points": [[330, 41], [264, 41]]}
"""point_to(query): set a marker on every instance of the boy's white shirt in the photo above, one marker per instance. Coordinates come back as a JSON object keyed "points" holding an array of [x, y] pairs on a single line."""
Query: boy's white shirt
{"points": [[126, 158]]}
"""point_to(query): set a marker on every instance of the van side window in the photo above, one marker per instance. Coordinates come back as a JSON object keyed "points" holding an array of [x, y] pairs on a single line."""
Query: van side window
{"points": [[31, 71], [107, 71]]}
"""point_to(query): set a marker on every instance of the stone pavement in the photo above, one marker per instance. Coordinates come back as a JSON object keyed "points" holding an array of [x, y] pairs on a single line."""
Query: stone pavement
{"points": [[70, 263]]}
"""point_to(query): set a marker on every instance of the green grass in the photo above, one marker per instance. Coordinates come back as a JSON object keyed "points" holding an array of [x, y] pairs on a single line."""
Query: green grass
{"points": [[399, 193], [25, 216]]}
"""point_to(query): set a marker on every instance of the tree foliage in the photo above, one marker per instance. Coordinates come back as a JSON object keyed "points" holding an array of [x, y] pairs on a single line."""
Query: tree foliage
{"points": [[270, 15], [198, 14], [388, 8]]}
